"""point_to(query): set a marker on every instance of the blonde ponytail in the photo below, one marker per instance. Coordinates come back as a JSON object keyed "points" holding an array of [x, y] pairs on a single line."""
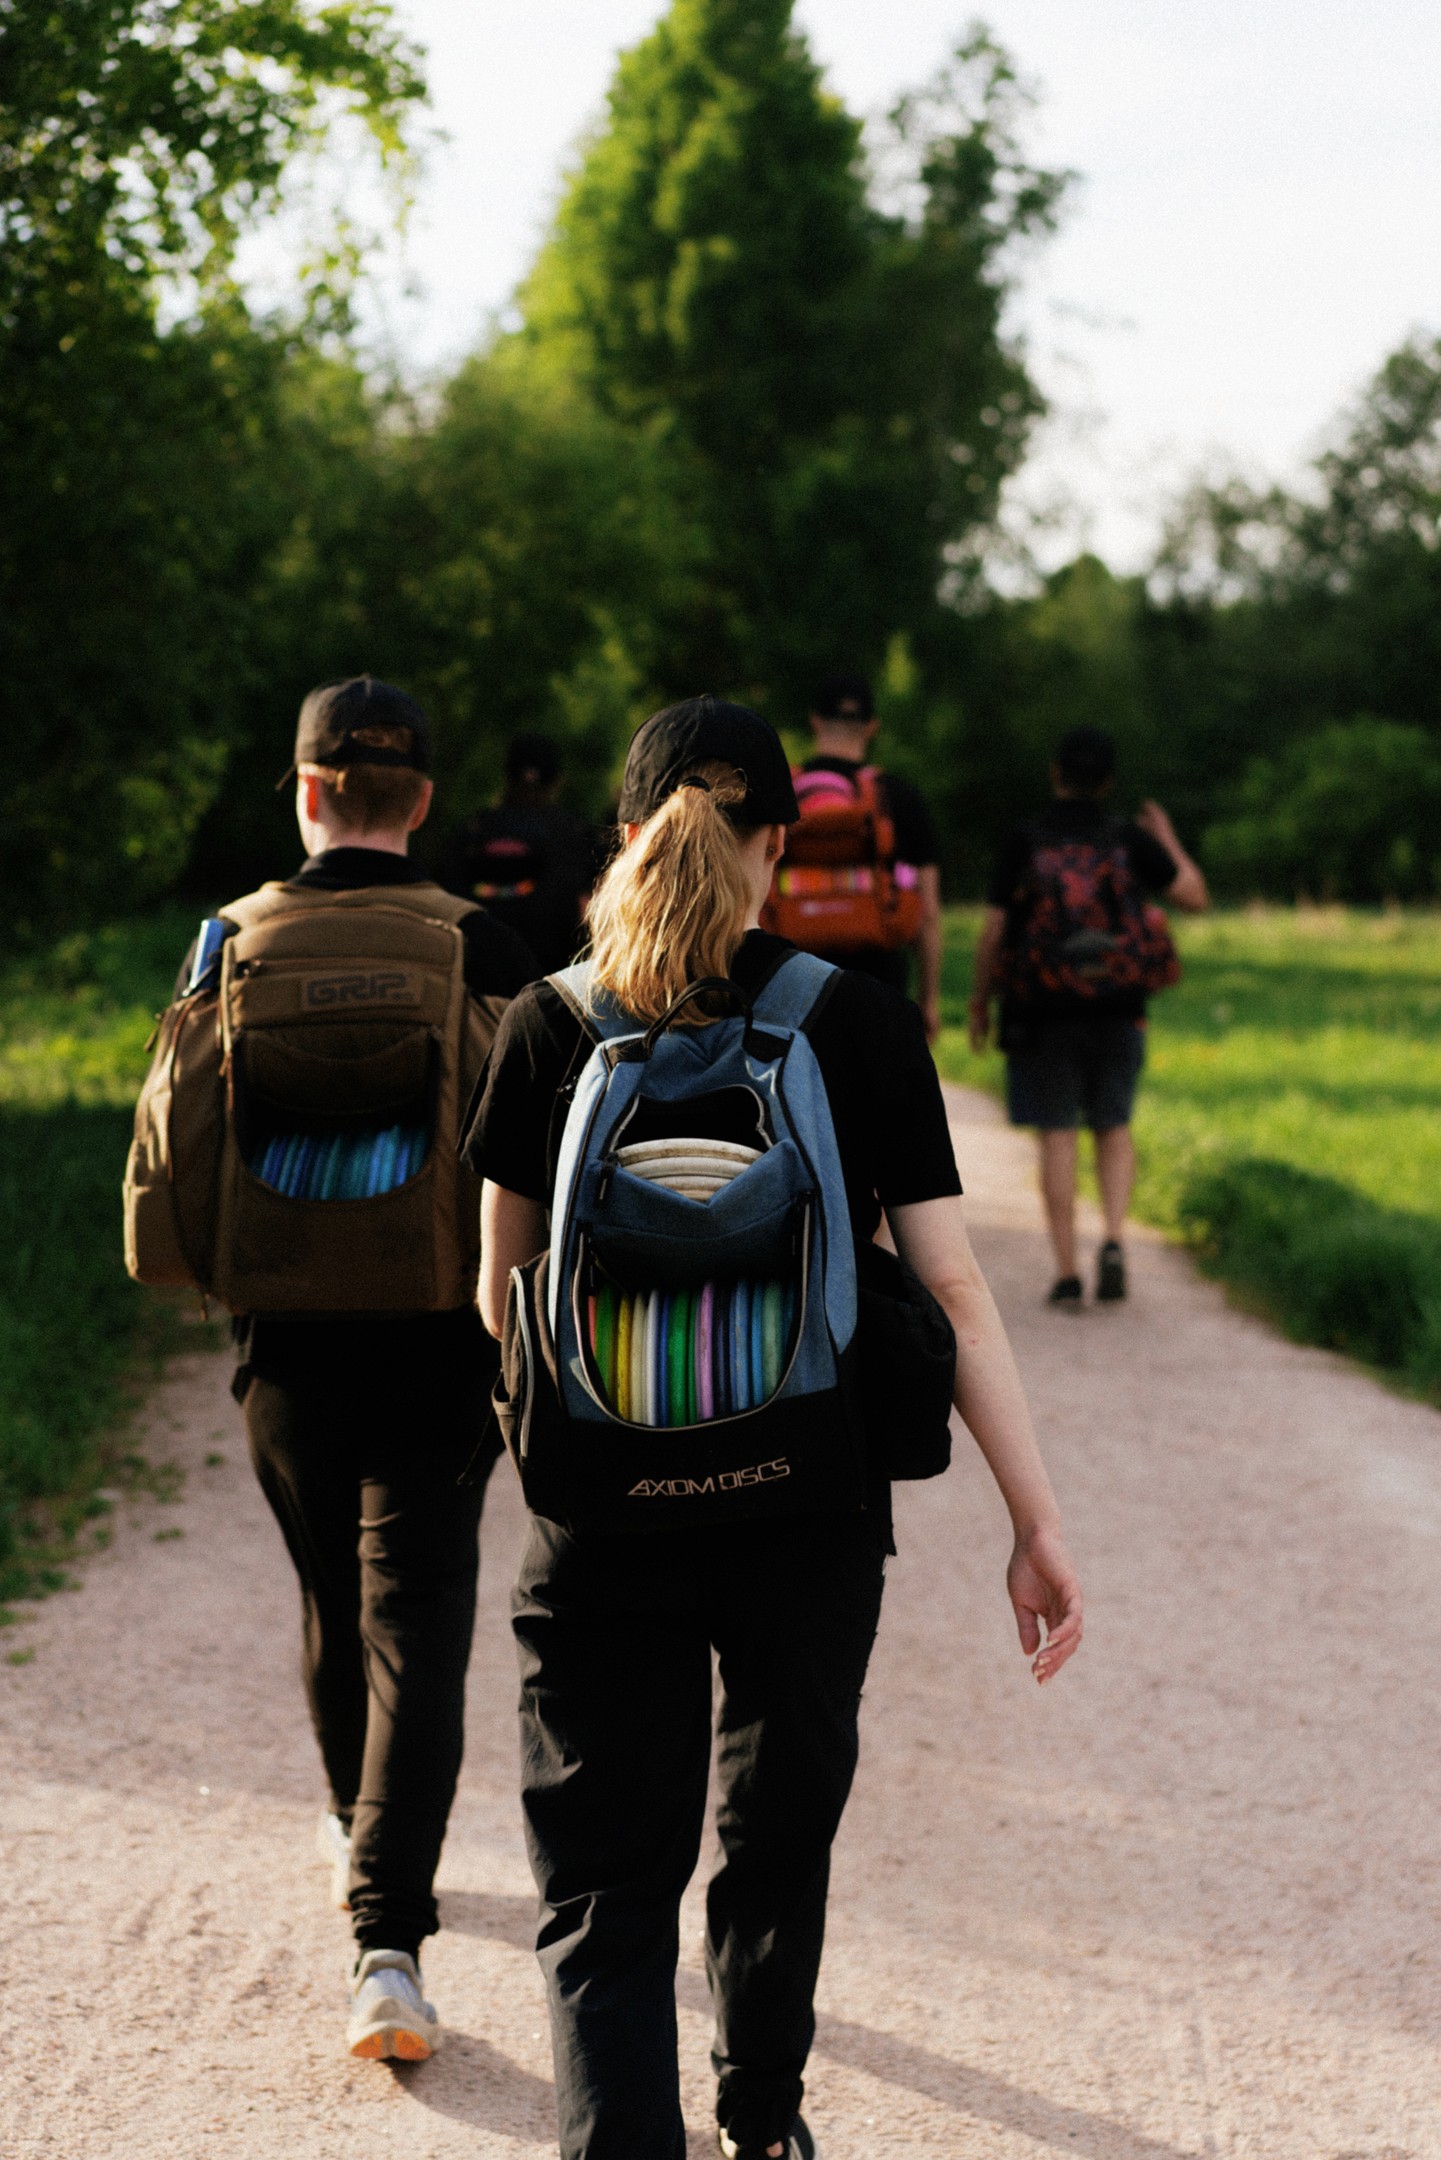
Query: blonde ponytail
{"points": [[672, 907]]}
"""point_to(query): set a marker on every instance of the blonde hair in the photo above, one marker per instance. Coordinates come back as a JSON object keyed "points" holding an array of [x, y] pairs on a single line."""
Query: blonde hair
{"points": [[372, 798], [672, 907]]}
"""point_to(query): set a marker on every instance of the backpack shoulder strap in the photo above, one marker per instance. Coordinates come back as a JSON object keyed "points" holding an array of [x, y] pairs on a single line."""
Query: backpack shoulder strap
{"points": [[596, 1010], [257, 907], [795, 992], [427, 899], [821, 781], [275, 898]]}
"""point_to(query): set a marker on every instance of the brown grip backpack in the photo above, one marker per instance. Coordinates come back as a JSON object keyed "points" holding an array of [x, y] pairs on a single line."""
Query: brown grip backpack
{"points": [[341, 1018]]}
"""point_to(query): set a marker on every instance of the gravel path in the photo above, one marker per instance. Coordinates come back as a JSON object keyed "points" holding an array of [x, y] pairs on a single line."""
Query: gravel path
{"points": [[1182, 1903]]}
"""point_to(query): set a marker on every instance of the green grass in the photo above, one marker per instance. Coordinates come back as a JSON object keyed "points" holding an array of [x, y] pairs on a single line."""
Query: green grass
{"points": [[1289, 1126], [73, 1025]]}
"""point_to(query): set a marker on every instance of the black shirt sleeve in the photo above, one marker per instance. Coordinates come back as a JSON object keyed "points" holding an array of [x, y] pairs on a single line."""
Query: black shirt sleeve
{"points": [[915, 827], [531, 1060], [1154, 865], [1009, 868], [498, 962], [885, 1097]]}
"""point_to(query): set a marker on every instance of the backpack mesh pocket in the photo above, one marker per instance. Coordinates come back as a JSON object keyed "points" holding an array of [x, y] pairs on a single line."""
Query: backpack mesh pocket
{"points": [[690, 1356], [321, 1126]]}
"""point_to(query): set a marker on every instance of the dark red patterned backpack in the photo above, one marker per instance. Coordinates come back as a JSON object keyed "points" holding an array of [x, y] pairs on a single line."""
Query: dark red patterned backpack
{"points": [[1080, 924]]}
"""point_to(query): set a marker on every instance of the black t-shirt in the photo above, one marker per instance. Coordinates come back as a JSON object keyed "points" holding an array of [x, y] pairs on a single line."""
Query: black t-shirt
{"points": [[916, 844], [885, 1099], [1073, 819], [552, 852], [291, 1351], [890, 1121]]}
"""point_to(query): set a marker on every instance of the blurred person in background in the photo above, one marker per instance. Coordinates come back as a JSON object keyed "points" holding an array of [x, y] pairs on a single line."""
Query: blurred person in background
{"points": [[529, 860], [861, 885], [1073, 945]]}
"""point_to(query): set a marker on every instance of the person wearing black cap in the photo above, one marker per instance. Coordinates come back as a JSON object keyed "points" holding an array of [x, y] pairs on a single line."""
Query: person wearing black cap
{"points": [[844, 725], [361, 1423], [1072, 1054], [529, 859], [616, 1630]]}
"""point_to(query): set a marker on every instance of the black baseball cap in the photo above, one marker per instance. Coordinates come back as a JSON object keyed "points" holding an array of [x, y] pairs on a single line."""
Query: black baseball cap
{"points": [[844, 696], [531, 754], [673, 743], [326, 732]]}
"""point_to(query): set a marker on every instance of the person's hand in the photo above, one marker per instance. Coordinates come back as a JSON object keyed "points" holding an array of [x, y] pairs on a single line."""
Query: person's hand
{"points": [[931, 1017], [1152, 819], [1043, 1588], [979, 1024]]}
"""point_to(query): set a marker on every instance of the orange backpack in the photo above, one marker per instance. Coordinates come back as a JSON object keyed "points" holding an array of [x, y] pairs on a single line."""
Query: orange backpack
{"points": [[839, 888]]}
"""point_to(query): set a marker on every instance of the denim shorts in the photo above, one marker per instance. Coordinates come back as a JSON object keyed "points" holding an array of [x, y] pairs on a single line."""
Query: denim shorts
{"points": [[1069, 1072]]}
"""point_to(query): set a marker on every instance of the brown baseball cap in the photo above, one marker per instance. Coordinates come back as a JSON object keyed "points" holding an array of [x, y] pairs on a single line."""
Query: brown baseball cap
{"points": [[335, 717]]}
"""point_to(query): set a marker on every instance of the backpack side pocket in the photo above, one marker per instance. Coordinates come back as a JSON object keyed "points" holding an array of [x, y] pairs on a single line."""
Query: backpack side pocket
{"points": [[907, 1367], [526, 1399]]}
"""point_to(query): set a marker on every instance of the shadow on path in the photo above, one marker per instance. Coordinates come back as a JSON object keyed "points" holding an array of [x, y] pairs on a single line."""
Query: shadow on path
{"points": [[497, 1918], [472, 2082], [989, 2099], [966, 2090]]}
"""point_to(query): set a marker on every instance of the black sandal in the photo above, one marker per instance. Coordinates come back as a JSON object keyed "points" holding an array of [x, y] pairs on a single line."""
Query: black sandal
{"points": [[1067, 1291]]}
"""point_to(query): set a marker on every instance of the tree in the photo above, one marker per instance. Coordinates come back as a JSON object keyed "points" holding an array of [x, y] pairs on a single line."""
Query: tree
{"points": [[1325, 599], [141, 480], [1351, 812], [138, 137], [824, 371], [505, 557]]}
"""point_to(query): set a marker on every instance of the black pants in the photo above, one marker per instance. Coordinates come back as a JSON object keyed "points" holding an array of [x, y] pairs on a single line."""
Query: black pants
{"points": [[360, 1466], [615, 1636]]}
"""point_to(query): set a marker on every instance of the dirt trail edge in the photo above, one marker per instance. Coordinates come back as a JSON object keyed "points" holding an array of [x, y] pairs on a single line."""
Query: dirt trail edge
{"points": [[1184, 1903]]}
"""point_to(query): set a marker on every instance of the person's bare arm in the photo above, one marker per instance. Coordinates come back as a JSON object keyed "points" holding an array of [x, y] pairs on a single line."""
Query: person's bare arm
{"points": [[931, 1237], [993, 929], [928, 949], [1188, 890], [512, 1231]]}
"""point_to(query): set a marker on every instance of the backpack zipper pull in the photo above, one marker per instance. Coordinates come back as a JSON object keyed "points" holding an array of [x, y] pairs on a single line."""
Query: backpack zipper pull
{"points": [[607, 1172]]}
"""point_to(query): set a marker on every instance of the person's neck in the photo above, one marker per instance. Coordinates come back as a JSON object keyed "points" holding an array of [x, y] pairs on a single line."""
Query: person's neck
{"points": [[321, 840], [842, 742]]}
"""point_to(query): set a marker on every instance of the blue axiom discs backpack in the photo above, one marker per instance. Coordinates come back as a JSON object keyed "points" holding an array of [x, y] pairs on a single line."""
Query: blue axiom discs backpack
{"points": [[686, 1349]]}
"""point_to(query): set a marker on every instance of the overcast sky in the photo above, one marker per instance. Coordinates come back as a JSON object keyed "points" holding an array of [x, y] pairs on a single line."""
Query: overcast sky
{"points": [[1257, 222]]}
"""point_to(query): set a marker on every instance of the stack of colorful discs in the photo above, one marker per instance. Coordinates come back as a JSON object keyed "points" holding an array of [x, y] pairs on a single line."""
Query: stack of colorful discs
{"points": [[341, 1166], [696, 1169], [686, 1357]]}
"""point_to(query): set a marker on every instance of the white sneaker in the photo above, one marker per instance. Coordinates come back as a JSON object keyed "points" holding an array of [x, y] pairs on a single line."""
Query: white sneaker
{"points": [[389, 2016], [332, 1842]]}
